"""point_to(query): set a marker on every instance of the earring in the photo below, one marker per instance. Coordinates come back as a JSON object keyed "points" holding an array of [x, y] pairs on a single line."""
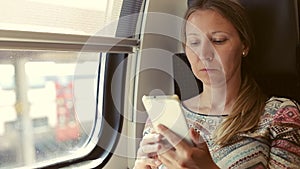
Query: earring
{"points": [[244, 54]]}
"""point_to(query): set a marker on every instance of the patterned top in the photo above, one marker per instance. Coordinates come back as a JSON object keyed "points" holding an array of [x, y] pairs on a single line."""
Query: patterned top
{"points": [[275, 143]]}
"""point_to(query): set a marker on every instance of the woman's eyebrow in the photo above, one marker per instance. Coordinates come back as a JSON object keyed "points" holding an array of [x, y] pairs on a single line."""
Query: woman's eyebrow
{"points": [[193, 34], [219, 32], [212, 33]]}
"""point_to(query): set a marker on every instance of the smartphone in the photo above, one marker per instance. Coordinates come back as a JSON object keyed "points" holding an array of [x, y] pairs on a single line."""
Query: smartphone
{"points": [[166, 110]]}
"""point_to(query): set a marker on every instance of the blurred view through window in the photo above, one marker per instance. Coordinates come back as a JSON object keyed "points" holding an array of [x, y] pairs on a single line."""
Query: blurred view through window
{"points": [[48, 98], [38, 119], [83, 17]]}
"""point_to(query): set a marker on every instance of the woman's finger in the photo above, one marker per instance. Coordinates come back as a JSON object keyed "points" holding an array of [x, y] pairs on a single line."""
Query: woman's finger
{"points": [[151, 138], [172, 138], [164, 160], [198, 139], [195, 136], [147, 162], [151, 148]]}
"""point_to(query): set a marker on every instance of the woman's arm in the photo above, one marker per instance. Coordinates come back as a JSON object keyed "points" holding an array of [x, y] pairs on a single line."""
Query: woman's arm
{"points": [[285, 136]]}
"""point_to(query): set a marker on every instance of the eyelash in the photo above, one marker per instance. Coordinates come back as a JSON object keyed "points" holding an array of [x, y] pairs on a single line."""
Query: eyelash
{"points": [[219, 41], [214, 41], [194, 43]]}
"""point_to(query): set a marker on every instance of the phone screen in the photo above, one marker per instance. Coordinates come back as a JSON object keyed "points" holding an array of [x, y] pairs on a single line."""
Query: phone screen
{"points": [[167, 110]]}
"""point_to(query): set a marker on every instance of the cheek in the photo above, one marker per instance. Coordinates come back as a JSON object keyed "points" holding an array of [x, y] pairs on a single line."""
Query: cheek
{"points": [[231, 60], [193, 60], [191, 56]]}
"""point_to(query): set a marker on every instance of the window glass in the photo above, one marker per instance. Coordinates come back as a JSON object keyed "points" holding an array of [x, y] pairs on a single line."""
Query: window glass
{"points": [[48, 92], [38, 117], [60, 16]]}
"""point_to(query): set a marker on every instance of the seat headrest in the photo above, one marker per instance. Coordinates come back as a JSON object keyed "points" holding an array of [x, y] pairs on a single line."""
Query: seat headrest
{"points": [[274, 61]]}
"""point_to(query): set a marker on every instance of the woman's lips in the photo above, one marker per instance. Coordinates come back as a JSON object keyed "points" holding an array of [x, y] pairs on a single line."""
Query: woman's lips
{"points": [[207, 70]]}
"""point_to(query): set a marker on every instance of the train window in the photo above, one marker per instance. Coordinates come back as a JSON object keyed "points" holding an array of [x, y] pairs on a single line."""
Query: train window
{"points": [[44, 114], [57, 61], [68, 16]]}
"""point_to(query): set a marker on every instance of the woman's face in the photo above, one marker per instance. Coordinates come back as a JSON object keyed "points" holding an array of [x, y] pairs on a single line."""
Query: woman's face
{"points": [[213, 47]]}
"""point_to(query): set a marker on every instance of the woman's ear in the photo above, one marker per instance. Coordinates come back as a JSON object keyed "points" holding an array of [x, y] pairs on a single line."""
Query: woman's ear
{"points": [[245, 50]]}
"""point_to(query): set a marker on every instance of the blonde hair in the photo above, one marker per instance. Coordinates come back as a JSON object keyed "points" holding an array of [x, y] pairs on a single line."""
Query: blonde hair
{"points": [[250, 102], [245, 114]]}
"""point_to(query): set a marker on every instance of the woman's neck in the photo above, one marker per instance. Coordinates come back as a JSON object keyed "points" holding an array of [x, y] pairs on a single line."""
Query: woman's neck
{"points": [[221, 98], [215, 100]]}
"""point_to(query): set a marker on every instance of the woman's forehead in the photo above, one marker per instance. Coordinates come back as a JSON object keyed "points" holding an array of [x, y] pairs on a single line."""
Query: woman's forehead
{"points": [[202, 21]]}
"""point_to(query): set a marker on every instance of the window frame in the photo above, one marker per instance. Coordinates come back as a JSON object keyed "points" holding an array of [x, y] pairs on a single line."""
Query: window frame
{"points": [[112, 118], [115, 51], [26, 40], [107, 128]]}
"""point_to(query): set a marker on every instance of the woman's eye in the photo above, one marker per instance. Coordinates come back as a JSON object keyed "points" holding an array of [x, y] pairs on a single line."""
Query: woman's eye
{"points": [[219, 41], [194, 43]]}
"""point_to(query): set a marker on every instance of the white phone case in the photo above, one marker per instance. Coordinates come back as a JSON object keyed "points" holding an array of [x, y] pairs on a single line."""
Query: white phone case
{"points": [[167, 110]]}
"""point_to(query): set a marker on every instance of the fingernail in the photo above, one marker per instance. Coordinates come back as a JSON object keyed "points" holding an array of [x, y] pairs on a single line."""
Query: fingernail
{"points": [[158, 147], [157, 163], [158, 127], [161, 127]]}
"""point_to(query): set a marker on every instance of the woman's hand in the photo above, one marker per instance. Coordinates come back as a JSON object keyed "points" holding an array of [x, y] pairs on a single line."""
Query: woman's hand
{"points": [[183, 155], [147, 152]]}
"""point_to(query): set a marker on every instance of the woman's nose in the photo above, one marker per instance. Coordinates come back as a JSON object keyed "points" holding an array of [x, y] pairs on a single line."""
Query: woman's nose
{"points": [[206, 51]]}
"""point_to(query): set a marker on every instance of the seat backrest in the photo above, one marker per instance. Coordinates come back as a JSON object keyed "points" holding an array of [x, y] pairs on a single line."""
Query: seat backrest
{"points": [[274, 61]]}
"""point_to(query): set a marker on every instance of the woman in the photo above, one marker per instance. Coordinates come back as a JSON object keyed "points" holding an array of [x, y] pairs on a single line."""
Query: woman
{"points": [[232, 123]]}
